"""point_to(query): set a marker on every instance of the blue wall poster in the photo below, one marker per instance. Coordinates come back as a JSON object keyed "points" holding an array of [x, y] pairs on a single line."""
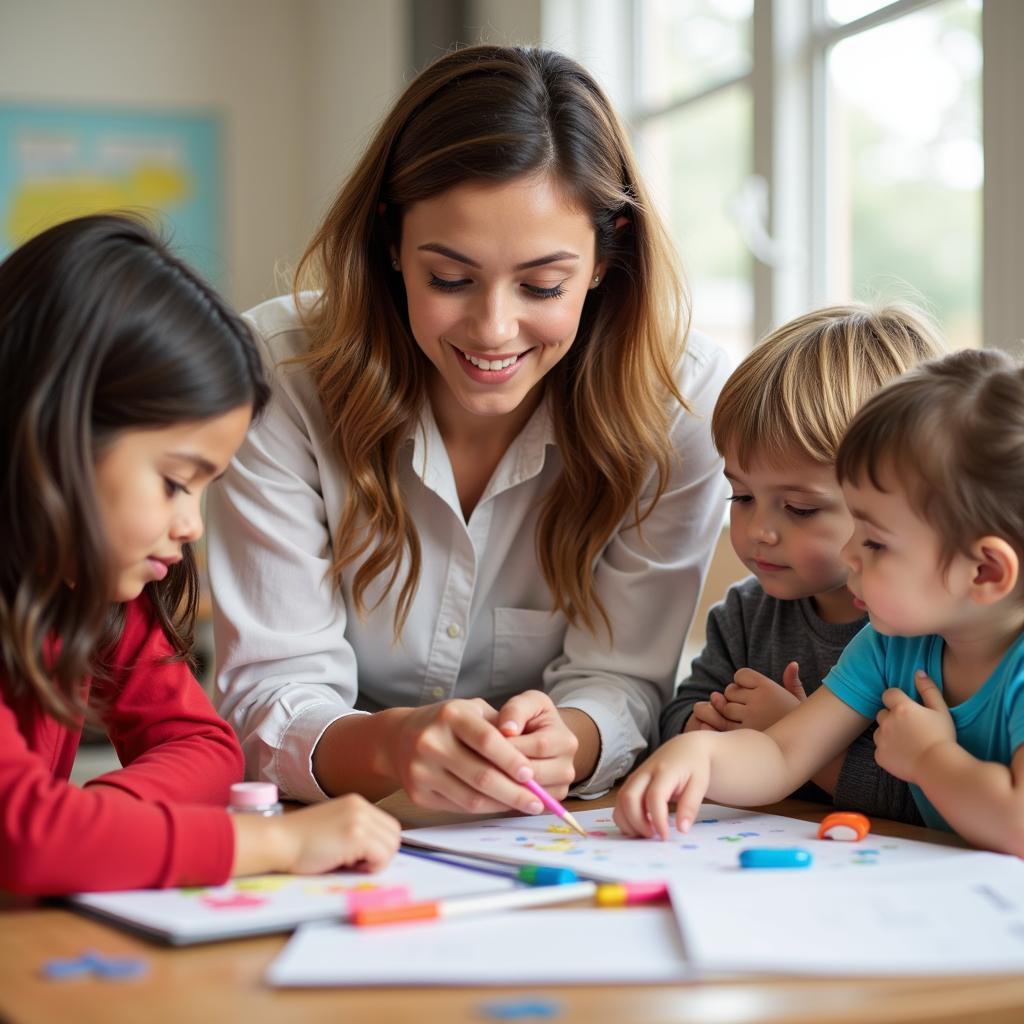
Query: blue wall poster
{"points": [[59, 163]]}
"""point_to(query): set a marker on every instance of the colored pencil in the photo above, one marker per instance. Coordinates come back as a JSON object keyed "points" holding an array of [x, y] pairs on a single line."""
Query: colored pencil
{"points": [[554, 806], [486, 903]]}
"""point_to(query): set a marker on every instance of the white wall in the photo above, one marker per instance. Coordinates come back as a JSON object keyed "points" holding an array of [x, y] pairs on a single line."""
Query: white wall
{"points": [[298, 82], [357, 65], [507, 23]]}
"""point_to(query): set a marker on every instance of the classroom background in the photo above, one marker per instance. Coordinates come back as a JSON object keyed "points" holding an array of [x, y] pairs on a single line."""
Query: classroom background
{"points": [[802, 151]]}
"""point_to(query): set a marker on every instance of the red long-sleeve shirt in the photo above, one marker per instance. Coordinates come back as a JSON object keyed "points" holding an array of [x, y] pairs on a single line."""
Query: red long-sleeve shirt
{"points": [[157, 821]]}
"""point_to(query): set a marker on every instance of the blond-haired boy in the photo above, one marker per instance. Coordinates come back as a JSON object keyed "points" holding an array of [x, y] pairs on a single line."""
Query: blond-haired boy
{"points": [[778, 424]]}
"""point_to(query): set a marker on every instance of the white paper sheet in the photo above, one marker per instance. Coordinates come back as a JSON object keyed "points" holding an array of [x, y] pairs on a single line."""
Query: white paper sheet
{"points": [[963, 917], [527, 947], [711, 847], [274, 903]]}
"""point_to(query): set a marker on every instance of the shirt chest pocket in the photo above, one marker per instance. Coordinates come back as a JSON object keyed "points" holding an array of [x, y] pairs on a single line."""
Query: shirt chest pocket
{"points": [[524, 642]]}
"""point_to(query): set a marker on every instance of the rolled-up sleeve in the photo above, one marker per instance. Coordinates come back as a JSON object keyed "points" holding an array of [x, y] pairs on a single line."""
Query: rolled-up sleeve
{"points": [[649, 580], [284, 669]]}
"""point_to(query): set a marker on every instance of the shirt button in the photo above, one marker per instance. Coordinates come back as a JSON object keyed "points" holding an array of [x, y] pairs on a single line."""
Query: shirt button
{"points": [[437, 692], [453, 631]]}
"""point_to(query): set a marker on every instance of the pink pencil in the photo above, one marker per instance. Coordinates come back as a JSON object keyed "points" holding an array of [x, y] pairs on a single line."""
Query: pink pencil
{"points": [[554, 806]]}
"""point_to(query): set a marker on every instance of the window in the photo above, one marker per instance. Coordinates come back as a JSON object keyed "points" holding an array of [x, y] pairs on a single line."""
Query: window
{"points": [[692, 123], [806, 151], [905, 164]]}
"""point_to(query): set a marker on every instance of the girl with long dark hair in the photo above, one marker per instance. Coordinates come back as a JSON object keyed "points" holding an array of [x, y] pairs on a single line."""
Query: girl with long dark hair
{"points": [[126, 385]]}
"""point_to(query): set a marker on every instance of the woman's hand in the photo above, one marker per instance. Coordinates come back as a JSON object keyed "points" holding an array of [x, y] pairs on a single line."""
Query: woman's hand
{"points": [[536, 729], [451, 756], [348, 832]]}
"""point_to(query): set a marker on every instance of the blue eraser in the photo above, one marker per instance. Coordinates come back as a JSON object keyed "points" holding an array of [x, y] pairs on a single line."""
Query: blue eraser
{"points": [[774, 857]]}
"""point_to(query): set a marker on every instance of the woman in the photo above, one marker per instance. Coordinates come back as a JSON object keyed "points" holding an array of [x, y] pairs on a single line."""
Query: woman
{"points": [[480, 505]]}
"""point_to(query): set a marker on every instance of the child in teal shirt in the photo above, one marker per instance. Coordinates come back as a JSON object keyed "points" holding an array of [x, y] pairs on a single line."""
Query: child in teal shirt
{"points": [[989, 723], [932, 470]]}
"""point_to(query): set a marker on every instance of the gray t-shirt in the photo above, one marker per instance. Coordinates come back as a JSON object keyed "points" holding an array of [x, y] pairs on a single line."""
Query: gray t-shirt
{"points": [[749, 629]]}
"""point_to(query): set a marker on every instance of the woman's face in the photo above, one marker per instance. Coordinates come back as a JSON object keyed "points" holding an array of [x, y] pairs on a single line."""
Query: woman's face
{"points": [[495, 276]]}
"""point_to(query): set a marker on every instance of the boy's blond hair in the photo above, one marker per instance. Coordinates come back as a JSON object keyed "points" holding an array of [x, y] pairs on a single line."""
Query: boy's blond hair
{"points": [[795, 393]]}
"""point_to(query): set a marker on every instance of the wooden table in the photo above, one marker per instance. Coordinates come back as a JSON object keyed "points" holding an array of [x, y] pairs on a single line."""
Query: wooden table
{"points": [[223, 982]]}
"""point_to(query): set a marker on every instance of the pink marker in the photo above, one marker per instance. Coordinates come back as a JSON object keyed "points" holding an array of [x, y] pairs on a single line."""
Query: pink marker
{"points": [[554, 806], [624, 894], [365, 899]]}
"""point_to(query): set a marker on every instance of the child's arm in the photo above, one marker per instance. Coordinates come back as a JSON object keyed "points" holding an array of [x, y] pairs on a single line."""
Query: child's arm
{"points": [[57, 839], [756, 701], [862, 784], [982, 800], [172, 742], [344, 833], [742, 767]]}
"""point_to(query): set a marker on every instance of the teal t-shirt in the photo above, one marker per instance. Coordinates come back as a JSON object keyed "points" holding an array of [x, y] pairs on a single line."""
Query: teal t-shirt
{"points": [[989, 724]]}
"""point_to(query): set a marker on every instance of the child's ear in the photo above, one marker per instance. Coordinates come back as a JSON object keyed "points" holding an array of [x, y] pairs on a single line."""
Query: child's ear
{"points": [[997, 570]]}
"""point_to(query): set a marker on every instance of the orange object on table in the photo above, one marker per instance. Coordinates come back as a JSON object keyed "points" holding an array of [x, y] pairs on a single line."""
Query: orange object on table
{"points": [[846, 826]]}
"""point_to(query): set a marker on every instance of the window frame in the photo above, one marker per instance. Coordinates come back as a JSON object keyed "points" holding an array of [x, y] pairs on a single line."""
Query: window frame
{"points": [[791, 40]]}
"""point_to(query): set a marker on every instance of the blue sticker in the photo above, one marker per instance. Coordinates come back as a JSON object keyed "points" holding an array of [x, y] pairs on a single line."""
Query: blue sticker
{"points": [[118, 968], [521, 1009], [108, 968], [63, 970]]}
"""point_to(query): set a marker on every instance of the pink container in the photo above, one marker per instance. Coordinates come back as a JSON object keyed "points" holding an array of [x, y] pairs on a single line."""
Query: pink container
{"points": [[254, 798]]}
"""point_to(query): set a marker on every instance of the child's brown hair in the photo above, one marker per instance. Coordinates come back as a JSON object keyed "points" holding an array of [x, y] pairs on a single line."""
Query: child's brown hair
{"points": [[800, 387], [952, 433], [102, 330]]}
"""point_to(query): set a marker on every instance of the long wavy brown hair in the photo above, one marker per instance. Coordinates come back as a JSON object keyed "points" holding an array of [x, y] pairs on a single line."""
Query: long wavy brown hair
{"points": [[102, 330], [492, 114]]}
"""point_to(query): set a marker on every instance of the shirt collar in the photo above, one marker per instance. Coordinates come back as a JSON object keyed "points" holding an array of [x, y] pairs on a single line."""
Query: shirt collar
{"points": [[523, 460]]}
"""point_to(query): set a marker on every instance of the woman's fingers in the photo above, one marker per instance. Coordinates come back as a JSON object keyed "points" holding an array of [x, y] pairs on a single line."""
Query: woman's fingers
{"points": [[467, 798], [520, 709]]}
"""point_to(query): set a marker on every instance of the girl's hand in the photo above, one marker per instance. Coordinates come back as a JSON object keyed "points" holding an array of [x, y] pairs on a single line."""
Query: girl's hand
{"points": [[679, 770], [908, 730], [537, 730], [347, 832], [451, 756]]}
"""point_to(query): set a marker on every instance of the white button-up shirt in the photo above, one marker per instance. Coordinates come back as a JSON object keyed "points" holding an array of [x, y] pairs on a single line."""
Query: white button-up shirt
{"points": [[293, 656]]}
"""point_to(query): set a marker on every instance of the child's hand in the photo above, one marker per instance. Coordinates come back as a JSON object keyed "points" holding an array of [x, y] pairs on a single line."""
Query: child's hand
{"points": [[705, 717], [535, 728], [348, 832], [908, 730], [753, 701], [678, 771]]}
